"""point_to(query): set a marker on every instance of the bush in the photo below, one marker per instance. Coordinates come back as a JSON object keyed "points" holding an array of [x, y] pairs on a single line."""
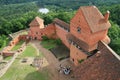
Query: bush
{"points": [[58, 41], [45, 38], [80, 61]]}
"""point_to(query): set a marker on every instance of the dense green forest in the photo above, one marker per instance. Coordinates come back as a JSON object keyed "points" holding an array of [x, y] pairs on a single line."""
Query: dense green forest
{"points": [[74, 4], [16, 15]]}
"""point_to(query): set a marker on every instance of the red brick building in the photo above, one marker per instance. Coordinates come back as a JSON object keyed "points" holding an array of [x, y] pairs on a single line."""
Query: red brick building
{"points": [[36, 27], [81, 36], [104, 65]]}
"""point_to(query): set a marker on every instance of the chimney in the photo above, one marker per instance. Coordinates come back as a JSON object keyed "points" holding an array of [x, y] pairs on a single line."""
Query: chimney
{"points": [[106, 16]]}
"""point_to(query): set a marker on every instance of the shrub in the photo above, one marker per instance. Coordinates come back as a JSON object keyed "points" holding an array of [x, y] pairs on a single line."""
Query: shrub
{"points": [[58, 41], [80, 61], [45, 38]]}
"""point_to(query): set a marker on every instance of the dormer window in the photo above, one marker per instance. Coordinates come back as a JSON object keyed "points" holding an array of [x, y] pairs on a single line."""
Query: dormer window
{"points": [[78, 29]]}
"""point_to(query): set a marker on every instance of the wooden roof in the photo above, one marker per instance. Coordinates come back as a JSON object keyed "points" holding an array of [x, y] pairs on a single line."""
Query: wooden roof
{"points": [[36, 22], [94, 18], [61, 23], [101, 66], [79, 42]]}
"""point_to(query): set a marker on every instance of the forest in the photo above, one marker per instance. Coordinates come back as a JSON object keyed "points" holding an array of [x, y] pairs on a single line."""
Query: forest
{"points": [[16, 15]]}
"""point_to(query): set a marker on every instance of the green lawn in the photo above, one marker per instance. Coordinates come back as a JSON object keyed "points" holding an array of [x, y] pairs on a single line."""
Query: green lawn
{"points": [[48, 44], [8, 58], [17, 46], [30, 51], [22, 71], [1, 48]]}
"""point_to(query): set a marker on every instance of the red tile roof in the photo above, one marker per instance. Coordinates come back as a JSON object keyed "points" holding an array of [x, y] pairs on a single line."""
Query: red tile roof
{"points": [[36, 22], [101, 66], [94, 18]]}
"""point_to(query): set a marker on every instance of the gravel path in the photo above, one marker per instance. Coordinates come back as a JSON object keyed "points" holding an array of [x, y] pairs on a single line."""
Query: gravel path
{"points": [[53, 63]]}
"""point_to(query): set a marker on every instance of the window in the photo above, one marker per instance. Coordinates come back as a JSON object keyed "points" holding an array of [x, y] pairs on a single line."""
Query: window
{"points": [[78, 29], [73, 59], [36, 32]]}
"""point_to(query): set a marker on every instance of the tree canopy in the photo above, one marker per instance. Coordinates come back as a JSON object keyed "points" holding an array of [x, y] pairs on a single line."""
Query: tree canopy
{"points": [[15, 17]]}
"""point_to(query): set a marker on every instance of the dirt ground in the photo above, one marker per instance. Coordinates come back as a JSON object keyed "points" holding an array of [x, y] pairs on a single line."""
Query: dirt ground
{"points": [[53, 64], [61, 52]]}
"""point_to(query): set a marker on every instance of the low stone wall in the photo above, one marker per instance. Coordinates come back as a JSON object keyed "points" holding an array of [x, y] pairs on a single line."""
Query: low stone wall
{"points": [[6, 54], [7, 50], [11, 45], [5, 67], [21, 32], [23, 37]]}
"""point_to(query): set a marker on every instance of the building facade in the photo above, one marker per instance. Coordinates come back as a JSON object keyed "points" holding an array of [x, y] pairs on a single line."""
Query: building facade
{"points": [[81, 36]]}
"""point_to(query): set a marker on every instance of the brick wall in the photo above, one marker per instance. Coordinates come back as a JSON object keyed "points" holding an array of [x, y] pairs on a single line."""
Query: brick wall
{"points": [[5, 54], [6, 50], [85, 33], [79, 21], [35, 32], [50, 31], [12, 44], [23, 37], [76, 54], [61, 33]]}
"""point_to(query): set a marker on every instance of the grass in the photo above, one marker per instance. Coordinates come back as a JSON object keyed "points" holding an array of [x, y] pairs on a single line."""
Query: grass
{"points": [[19, 71], [40, 55], [2, 48], [8, 58], [23, 72], [17, 46], [30, 51], [49, 44], [24, 33]]}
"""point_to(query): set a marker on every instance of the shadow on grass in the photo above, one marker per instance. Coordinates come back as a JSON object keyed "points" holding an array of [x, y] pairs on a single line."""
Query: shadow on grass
{"points": [[37, 76]]}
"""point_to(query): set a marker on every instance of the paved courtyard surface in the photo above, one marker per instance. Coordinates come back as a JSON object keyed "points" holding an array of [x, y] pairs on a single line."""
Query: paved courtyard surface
{"points": [[54, 64]]}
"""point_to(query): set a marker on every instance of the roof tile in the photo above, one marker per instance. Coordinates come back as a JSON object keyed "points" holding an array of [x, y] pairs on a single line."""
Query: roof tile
{"points": [[102, 67], [36, 22], [94, 18]]}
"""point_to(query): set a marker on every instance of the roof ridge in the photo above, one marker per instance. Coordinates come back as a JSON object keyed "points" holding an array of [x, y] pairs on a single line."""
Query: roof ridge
{"points": [[113, 52], [94, 18], [36, 21]]}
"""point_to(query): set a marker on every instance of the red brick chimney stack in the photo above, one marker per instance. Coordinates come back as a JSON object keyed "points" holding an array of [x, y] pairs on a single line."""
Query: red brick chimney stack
{"points": [[107, 16]]}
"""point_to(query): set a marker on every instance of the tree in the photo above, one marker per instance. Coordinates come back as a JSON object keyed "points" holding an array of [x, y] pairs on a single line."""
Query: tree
{"points": [[114, 31], [114, 34]]}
